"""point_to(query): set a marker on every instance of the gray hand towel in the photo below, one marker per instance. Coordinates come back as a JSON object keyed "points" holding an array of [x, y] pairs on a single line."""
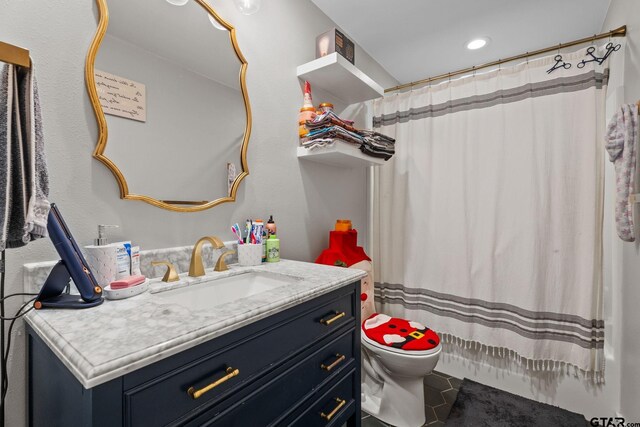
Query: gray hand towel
{"points": [[23, 178], [7, 81], [17, 180], [6, 106], [38, 205]]}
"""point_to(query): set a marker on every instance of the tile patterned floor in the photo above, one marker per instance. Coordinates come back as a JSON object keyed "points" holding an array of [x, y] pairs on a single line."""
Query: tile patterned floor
{"points": [[440, 391]]}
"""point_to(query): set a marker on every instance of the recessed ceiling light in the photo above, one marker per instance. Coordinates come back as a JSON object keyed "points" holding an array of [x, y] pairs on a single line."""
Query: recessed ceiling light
{"points": [[477, 43], [177, 2]]}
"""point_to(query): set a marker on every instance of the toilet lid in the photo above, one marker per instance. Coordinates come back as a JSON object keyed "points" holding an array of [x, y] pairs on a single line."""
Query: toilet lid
{"points": [[399, 333]]}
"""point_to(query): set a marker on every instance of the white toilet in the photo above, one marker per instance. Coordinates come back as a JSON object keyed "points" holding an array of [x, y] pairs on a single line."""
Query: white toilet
{"points": [[393, 380]]}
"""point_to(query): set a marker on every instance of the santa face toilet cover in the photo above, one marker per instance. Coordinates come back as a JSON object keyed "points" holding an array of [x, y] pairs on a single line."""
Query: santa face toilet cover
{"points": [[399, 333]]}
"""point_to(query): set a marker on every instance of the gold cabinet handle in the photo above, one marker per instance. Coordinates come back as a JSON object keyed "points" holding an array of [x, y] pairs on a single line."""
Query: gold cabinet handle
{"points": [[231, 372], [333, 319], [339, 359], [341, 403]]}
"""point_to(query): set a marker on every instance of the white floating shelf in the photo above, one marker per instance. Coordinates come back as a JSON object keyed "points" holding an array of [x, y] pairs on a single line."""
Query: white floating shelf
{"points": [[339, 154], [334, 74]]}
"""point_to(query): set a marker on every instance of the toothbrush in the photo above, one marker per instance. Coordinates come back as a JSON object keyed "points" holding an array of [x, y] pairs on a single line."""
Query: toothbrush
{"points": [[235, 228], [254, 232], [258, 233], [249, 227], [238, 233]]}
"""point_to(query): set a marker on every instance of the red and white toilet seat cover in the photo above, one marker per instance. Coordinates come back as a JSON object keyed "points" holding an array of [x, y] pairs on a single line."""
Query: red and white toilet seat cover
{"points": [[399, 333]]}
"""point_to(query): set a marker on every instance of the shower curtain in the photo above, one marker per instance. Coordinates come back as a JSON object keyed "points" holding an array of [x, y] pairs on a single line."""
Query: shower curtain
{"points": [[488, 220]]}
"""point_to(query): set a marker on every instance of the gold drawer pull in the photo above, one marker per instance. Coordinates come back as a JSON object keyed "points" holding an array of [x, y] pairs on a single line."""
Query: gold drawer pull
{"points": [[198, 393], [333, 319], [340, 358], [341, 403]]}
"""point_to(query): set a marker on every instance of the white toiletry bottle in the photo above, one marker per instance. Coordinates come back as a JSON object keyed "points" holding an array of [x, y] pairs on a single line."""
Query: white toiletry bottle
{"points": [[123, 259], [135, 260]]}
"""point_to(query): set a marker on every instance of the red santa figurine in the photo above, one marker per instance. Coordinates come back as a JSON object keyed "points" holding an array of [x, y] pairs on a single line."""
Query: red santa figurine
{"points": [[344, 251]]}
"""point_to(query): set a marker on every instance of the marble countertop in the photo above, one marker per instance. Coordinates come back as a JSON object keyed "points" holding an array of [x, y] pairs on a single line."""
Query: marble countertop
{"points": [[132, 333]]}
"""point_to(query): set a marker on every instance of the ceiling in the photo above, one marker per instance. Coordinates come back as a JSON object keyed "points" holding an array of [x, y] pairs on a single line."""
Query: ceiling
{"points": [[416, 39]]}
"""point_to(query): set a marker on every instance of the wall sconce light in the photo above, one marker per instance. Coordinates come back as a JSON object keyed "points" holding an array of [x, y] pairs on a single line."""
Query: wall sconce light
{"points": [[248, 7], [216, 24]]}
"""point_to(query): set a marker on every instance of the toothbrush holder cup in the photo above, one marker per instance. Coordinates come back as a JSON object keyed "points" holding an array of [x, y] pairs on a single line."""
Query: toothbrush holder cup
{"points": [[249, 254]]}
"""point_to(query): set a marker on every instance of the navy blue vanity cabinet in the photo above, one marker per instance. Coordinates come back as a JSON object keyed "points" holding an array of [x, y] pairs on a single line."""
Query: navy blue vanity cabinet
{"points": [[298, 367]]}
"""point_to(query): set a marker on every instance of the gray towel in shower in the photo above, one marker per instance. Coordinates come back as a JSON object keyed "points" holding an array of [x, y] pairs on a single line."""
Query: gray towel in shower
{"points": [[24, 181], [621, 144]]}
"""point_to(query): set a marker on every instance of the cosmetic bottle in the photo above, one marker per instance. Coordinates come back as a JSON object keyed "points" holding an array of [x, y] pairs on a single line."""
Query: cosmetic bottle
{"points": [[135, 261], [271, 226], [265, 235], [123, 259], [273, 248]]}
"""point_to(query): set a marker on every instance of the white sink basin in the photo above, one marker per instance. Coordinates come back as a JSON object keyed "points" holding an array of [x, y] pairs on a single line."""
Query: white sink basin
{"points": [[214, 292]]}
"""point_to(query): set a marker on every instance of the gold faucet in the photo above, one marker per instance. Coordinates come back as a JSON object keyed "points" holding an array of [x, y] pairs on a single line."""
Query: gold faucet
{"points": [[196, 268]]}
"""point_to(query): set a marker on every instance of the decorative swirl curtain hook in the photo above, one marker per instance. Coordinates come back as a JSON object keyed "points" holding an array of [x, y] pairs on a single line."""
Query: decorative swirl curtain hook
{"points": [[559, 64]]}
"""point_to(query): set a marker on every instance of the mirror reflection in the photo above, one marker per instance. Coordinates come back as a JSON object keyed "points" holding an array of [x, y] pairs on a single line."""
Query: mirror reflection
{"points": [[172, 98]]}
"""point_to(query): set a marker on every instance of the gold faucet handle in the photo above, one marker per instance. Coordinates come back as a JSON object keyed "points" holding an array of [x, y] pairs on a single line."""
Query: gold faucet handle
{"points": [[171, 275], [221, 265], [216, 242]]}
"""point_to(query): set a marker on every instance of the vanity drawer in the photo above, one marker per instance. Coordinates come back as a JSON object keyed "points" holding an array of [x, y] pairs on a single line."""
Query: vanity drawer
{"points": [[216, 375], [274, 400], [331, 407]]}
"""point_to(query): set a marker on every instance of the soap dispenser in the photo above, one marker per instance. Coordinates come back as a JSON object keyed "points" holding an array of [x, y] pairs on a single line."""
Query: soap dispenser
{"points": [[102, 240], [102, 257]]}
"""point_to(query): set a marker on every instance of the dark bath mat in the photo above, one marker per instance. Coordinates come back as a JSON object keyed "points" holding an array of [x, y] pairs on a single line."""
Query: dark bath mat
{"points": [[480, 405]]}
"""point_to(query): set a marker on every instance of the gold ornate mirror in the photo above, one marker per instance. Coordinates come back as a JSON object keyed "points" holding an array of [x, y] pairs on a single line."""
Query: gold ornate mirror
{"points": [[166, 79]]}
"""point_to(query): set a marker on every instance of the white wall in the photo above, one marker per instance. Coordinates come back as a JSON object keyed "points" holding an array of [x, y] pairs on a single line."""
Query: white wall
{"points": [[304, 198], [628, 254]]}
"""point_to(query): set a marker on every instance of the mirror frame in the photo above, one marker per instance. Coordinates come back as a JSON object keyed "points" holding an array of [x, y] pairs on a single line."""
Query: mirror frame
{"points": [[98, 153]]}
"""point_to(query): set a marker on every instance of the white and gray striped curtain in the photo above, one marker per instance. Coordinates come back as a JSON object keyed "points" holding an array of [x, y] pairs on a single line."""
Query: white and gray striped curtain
{"points": [[488, 220]]}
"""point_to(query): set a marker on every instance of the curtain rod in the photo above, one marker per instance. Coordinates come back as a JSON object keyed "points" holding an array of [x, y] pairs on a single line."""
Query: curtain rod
{"points": [[618, 32], [14, 55]]}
